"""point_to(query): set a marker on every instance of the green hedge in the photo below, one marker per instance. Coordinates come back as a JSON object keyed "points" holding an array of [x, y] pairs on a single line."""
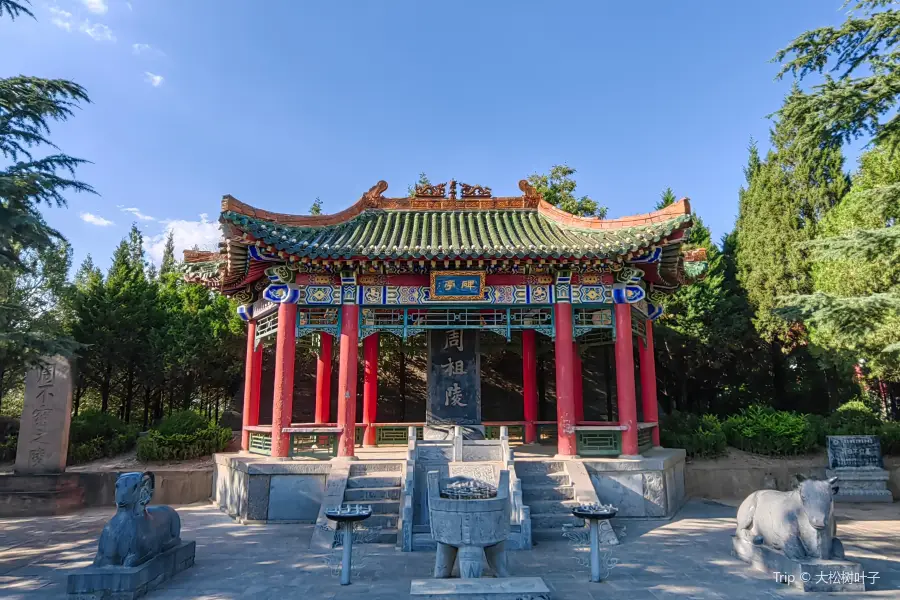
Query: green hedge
{"points": [[854, 418], [764, 430], [155, 446], [700, 436], [94, 435], [182, 422]]}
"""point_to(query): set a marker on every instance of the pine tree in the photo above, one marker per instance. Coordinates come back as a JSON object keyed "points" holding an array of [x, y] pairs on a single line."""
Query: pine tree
{"points": [[168, 258], [667, 198], [316, 208], [558, 188], [422, 181]]}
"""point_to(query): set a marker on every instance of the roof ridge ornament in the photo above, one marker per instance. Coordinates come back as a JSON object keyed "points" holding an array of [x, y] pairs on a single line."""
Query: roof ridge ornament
{"points": [[375, 193], [437, 190], [475, 191]]}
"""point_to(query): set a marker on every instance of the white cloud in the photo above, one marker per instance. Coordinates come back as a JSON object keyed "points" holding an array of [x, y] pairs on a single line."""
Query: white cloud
{"points": [[140, 48], [95, 220], [98, 31], [204, 234], [152, 79], [98, 7], [136, 212], [61, 18]]}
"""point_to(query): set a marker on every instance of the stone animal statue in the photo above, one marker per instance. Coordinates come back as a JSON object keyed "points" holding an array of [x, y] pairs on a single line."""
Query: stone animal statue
{"points": [[137, 533], [800, 523]]}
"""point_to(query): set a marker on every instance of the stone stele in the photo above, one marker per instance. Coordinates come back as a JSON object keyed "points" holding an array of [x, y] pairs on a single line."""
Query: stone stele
{"points": [[44, 430]]}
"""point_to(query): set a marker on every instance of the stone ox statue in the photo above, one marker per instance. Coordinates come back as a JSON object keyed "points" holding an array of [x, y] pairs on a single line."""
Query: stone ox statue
{"points": [[800, 523], [137, 533]]}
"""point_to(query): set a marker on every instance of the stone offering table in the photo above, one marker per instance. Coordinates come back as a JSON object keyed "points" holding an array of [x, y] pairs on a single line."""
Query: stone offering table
{"points": [[593, 514], [855, 460], [470, 519], [345, 517]]}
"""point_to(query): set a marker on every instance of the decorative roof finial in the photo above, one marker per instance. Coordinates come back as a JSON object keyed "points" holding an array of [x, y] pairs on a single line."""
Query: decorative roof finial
{"points": [[452, 184]]}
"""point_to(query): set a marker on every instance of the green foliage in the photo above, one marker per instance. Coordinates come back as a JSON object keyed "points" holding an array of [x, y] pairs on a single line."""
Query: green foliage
{"points": [[700, 436], [183, 422], [854, 418], [764, 430], [167, 265], [420, 182], [558, 188], [9, 438], [890, 438], [862, 53], [316, 208], [155, 446], [94, 435]]}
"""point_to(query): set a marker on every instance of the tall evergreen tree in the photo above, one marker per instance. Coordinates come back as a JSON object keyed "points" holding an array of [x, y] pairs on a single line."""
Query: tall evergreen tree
{"points": [[168, 258], [316, 208]]}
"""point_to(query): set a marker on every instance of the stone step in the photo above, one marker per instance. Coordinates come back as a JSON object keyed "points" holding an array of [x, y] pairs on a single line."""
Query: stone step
{"points": [[545, 507], [373, 468], [384, 507], [373, 481], [554, 521], [371, 494], [382, 521], [547, 492], [533, 467], [543, 478]]}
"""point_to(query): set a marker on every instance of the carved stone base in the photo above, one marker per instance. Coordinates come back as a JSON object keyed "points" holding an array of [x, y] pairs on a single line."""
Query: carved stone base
{"points": [[809, 575], [509, 588], [128, 583], [864, 484]]}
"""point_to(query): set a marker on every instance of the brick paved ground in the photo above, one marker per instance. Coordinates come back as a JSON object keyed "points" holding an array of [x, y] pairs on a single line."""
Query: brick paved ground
{"points": [[688, 557]]}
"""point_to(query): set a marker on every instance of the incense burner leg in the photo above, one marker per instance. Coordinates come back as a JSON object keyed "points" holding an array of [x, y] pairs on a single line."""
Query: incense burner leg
{"points": [[595, 550], [496, 558], [443, 561], [348, 552], [471, 562]]}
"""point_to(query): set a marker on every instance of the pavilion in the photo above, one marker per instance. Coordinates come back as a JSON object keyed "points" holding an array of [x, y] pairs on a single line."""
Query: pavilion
{"points": [[437, 262]]}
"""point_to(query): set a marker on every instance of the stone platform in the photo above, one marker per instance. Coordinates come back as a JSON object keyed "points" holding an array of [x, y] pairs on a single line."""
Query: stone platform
{"points": [[861, 484], [40, 495], [507, 588], [809, 575], [128, 583]]}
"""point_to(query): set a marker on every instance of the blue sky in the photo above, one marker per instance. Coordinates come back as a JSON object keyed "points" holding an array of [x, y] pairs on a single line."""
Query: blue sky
{"points": [[280, 101]]}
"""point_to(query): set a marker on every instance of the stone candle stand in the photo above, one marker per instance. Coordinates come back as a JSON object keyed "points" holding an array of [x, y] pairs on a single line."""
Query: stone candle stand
{"points": [[345, 516], [593, 514]]}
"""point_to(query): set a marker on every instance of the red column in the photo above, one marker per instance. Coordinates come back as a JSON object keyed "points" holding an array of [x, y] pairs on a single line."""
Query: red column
{"points": [[579, 385], [252, 381], [625, 380], [283, 400], [370, 387], [565, 389], [323, 380], [346, 417], [529, 384], [648, 382]]}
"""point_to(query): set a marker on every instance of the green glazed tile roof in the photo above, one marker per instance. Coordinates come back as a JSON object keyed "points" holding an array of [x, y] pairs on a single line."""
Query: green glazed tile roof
{"points": [[453, 234]]}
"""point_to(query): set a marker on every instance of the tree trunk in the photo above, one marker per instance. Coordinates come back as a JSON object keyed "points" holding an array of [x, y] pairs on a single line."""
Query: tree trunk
{"points": [[105, 384], [188, 392], [607, 380], [146, 421], [129, 396], [217, 410], [402, 367], [776, 357]]}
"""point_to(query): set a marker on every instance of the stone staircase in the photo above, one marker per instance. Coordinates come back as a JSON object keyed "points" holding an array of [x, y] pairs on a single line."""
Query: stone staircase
{"points": [[549, 493], [378, 486]]}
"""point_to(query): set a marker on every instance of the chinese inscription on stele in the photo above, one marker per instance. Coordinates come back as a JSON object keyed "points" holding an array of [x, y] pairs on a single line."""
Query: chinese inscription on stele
{"points": [[44, 430], [454, 379]]}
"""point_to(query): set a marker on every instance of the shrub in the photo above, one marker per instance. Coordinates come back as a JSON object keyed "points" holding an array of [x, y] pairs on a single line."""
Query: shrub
{"points": [[182, 422], [890, 438], [94, 435], [8, 448], [854, 418], [156, 446], [701, 437], [764, 430]]}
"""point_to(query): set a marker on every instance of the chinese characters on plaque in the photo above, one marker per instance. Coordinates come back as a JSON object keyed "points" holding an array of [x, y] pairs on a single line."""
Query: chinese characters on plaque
{"points": [[44, 431], [454, 381]]}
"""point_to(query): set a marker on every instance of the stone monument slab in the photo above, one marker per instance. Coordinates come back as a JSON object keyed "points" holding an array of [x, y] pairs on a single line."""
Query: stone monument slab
{"points": [[454, 377], [44, 431], [508, 588], [856, 462]]}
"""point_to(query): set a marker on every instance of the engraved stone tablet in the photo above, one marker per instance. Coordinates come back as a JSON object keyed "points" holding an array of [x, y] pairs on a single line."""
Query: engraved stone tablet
{"points": [[454, 377], [854, 451], [44, 430]]}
